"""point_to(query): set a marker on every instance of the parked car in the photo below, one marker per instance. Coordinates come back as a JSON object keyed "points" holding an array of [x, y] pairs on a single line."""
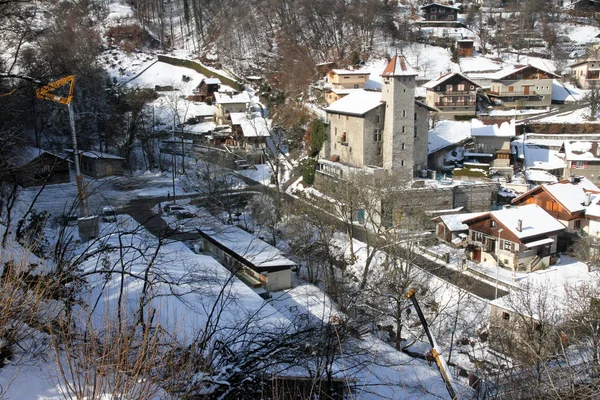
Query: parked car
{"points": [[179, 211]]}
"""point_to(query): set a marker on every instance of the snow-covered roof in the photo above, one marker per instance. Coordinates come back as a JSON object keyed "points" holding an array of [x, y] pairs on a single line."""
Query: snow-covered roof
{"points": [[182, 297], [443, 78], [539, 176], [255, 127], [506, 129], [358, 102], [454, 222], [398, 66], [212, 81], [541, 154], [350, 72], [260, 254], [593, 209], [580, 150], [343, 91], [26, 154], [571, 195], [535, 221], [447, 133], [511, 69], [96, 154], [230, 98], [237, 117], [440, 5]]}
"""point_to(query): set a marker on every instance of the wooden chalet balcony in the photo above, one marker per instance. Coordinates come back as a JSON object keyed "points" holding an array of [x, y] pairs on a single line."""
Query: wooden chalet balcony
{"points": [[456, 104], [458, 92]]}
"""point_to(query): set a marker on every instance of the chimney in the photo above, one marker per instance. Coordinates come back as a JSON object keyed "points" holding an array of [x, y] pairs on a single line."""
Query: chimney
{"points": [[572, 178], [520, 225], [588, 199]]}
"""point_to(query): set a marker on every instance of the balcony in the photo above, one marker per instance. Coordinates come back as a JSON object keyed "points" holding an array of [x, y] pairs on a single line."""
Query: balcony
{"points": [[513, 94], [458, 92], [456, 104]]}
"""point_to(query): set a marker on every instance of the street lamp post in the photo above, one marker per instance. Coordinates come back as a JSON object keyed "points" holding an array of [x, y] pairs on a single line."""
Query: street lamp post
{"points": [[497, 262]]}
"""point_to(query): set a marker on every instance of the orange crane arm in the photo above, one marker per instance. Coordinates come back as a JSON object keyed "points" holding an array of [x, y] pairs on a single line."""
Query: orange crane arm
{"points": [[47, 92]]}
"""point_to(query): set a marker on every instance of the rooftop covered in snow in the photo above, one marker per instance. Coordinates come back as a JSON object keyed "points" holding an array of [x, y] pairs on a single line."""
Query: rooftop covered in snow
{"points": [[231, 98], [443, 78], [247, 248], [506, 129], [571, 195], [534, 221], [358, 103], [580, 150], [447, 133]]}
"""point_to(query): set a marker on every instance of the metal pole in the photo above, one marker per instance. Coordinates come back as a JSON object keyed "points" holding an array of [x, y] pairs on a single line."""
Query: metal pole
{"points": [[497, 262], [83, 207]]}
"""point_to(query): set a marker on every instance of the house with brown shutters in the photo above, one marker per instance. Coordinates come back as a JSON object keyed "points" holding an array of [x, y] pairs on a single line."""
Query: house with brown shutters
{"points": [[440, 12], [452, 94], [521, 238], [206, 89], [522, 86], [566, 201]]}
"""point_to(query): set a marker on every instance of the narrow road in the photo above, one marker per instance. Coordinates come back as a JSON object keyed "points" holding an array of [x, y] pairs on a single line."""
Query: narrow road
{"points": [[141, 211]]}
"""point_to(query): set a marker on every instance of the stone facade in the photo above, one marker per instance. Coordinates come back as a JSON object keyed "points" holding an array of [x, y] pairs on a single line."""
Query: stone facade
{"points": [[398, 93], [357, 139]]}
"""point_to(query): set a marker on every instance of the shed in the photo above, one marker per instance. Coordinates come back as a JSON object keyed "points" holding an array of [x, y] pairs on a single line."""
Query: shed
{"points": [[254, 261], [31, 166]]}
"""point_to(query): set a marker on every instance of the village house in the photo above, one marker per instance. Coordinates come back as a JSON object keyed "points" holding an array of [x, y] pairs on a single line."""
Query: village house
{"points": [[566, 201], [586, 73], [34, 167], [522, 86], [440, 12], [582, 158], [256, 263], [344, 82], [451, 229], [249, 130], [521, 238], [386, 129], [205, 90], [492, 142], [452, 94], [98, 165], [227, 103]]}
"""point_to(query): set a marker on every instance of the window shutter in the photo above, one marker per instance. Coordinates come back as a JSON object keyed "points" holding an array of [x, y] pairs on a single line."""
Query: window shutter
{"points": [[512, 248]]}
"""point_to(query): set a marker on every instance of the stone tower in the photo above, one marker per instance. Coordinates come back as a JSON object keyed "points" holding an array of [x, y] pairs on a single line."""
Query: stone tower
{"points": [[398, 93]]}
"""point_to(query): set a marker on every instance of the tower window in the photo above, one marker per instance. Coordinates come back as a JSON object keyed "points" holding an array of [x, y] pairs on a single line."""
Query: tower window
{"points": [[402, 163], [403, 129], [404, 113], [403, 146]]}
